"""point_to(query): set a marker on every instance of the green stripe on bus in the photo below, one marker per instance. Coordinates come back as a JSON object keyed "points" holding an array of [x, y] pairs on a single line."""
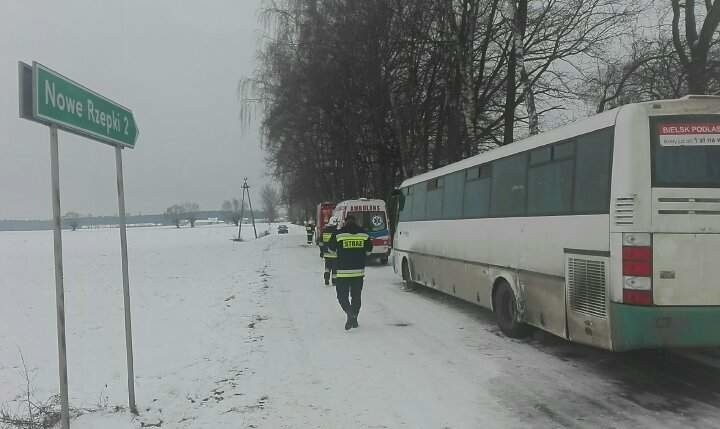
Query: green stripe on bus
{"points": [[641, 327]]}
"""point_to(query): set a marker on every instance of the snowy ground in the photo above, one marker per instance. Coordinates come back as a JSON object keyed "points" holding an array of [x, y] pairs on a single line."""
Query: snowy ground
{"points": [[244, 335]]}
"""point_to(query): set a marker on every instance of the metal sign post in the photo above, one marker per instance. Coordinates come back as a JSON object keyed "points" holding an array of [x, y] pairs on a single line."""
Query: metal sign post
{"points": [[54, 100], [59, 289], [126, 280]]}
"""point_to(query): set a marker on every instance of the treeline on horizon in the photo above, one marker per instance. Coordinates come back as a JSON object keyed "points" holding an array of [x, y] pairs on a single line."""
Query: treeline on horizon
{"points": [[84, 221]]}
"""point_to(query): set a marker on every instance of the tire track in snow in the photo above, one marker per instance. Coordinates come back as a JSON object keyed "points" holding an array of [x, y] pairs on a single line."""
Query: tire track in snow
{"points": [[552, 383], [425, 360]]}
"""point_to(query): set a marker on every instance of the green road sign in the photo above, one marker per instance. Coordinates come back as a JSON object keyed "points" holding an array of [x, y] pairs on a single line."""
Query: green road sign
{"points": [[69, 105]]}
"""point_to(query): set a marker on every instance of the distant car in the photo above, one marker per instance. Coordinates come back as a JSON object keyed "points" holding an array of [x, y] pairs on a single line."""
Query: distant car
{"points": [[282, 229]]}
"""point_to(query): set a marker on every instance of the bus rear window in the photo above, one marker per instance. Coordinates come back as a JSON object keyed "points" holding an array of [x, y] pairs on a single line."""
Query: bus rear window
{"points": [[686, 151]]}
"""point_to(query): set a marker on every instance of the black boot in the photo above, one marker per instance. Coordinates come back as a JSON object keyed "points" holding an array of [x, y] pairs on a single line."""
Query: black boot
{"points": [[354, 321], [327, 279], [349, 322]]}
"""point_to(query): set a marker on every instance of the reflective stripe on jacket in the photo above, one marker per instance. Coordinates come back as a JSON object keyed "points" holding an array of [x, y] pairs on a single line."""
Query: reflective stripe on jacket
{"points": [[350, 273], [352, 245], [327, 234]]}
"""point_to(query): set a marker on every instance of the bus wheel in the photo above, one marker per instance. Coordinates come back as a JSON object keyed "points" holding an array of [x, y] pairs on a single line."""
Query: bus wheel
{"points": [[383, 260], [505, 308]]}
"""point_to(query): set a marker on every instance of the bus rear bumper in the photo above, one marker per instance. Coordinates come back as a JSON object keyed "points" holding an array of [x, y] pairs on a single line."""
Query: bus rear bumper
{"points": [[639, 327]]}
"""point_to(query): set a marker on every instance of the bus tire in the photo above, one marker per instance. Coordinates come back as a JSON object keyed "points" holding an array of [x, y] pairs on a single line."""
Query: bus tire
{"points": [[505, 309], [383, 260]]}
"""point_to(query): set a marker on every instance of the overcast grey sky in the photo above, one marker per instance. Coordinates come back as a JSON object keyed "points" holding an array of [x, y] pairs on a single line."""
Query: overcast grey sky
{"points": [[176, 64]]}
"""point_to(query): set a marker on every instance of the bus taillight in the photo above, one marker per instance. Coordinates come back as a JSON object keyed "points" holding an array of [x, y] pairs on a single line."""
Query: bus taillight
{"points": [[637, 261], [637, 269]]}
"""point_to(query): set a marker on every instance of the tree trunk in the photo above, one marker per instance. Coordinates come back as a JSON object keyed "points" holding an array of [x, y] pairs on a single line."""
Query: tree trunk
{"points": [[694, 52], [518, 21], [696, 75], [533, 120], [510, 92]]}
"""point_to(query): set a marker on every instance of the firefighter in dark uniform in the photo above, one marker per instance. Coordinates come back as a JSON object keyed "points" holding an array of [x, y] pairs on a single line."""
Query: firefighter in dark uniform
{"points": [[310, 230], [330, 256], [352, 244]]}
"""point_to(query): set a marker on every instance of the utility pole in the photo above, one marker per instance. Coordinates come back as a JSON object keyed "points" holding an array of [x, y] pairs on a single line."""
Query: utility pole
{"points": [[246, 191]]}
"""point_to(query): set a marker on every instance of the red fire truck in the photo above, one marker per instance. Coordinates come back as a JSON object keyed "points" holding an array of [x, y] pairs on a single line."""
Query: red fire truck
{"points": [[324, 212]]}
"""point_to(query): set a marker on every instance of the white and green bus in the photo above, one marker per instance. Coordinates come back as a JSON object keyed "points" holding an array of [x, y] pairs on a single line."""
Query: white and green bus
{"points": [[605, 231]]}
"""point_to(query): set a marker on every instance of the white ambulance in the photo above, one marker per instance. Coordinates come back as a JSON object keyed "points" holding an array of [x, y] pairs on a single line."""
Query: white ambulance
{"points": [[372, 216]]}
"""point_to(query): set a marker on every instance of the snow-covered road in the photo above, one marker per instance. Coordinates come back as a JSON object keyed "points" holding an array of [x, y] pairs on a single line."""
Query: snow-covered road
{"points": [[244, 335]]}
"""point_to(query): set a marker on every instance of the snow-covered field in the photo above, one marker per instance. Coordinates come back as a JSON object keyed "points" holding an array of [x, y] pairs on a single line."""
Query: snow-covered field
{"points": [[244, 335]]}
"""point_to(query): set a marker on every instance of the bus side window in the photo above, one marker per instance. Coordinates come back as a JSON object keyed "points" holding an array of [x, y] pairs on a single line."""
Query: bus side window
{"points": [[592, 177], [419, 197], [550, 180], [453, 195], [406, 208], [435, 188], [508, 186], [476, 195]]}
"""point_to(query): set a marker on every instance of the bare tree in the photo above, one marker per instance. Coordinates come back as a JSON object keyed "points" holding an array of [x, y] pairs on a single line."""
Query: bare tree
{"points": [[72, 219], [517, 17], [693, 51], [232, 211], [175, 214], [649, 71], [191, 212], [227, 210], [236, 211], [355, 96], [677, 61], [270, 200]]}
